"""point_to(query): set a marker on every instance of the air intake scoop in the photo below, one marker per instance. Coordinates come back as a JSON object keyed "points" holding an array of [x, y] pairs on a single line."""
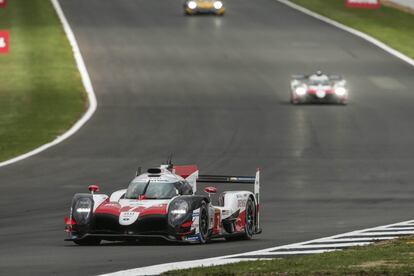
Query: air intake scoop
{"points": [[154, 171]]}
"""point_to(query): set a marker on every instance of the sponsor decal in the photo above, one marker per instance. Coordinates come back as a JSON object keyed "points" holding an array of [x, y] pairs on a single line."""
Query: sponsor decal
{"points": [[192, 238], [4, 42], [3, 3], [128, 218], [365, 4], [241, 203]]}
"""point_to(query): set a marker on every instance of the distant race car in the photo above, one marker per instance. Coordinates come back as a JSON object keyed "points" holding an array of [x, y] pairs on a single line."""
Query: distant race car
{"points": [[162, 204], [192, 7], [318, 87]]}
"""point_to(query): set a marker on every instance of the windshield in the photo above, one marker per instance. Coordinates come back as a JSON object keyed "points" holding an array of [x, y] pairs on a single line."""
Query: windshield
{"points": [[151, 190], [319, 82]]}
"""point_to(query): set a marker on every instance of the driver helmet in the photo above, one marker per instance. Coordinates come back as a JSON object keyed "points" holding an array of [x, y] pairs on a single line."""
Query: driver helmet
{"points": [[319, 73]]}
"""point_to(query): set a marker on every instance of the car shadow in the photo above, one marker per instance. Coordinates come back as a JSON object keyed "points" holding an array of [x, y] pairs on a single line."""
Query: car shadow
{"points": [[311, 104], [149, 242]]}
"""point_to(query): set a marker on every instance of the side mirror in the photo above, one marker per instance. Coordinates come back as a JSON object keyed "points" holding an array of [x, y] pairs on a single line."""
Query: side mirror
{"points": [[93, 188], [210, 190]]}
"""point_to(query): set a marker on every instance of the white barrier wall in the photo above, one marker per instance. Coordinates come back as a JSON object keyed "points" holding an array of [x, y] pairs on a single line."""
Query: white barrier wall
{"points": [[405, 3]]}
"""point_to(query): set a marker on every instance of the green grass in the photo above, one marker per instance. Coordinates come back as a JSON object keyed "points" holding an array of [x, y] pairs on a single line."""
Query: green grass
{"points": [[41, 94], [389, 25], [386, 258]]}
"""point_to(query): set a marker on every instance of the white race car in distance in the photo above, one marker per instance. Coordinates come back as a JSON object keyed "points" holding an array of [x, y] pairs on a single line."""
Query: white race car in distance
{"points": [[318, 88]]}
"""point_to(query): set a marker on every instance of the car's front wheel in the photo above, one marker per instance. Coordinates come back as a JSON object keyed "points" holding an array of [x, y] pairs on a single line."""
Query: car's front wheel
{"points": [[204, 223]]}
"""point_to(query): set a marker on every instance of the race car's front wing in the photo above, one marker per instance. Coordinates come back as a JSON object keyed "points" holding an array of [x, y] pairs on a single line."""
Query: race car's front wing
{"points": [[107, 227]]}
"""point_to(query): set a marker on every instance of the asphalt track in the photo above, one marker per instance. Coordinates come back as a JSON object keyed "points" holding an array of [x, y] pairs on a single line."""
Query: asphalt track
{"points": [[214, 91]]}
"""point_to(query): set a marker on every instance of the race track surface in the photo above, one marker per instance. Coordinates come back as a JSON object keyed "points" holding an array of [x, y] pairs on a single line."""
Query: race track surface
{"points": [[214, 91]]}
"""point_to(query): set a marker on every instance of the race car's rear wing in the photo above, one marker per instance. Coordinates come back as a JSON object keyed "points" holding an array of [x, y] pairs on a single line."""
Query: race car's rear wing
{"points": [[331, 77], [298, 77], [335, 77], [205, 178]]}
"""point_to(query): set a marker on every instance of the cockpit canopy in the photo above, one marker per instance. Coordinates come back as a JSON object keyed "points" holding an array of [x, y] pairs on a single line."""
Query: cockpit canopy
{"points": [[157, 189]]}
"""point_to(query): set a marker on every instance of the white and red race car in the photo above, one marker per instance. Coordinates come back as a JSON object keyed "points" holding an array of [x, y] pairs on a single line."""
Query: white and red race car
{"points": [[318, 88], [162, 203]]}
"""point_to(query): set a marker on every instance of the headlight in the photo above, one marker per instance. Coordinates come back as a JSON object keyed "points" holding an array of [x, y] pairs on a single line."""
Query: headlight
{"points": [[300, 91], [178, 209], [340, 91], [192, 5], [82, 210], [218, 5]]}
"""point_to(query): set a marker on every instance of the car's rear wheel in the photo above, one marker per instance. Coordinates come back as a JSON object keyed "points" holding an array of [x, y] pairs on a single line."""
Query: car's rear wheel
{"points": [[88, 241], [250, 220], [250, 223], [203, 223]]}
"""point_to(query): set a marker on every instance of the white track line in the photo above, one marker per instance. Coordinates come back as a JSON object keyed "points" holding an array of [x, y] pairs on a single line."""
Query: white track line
{"points": [[86, 81], [397, 229], [294, 252], [330, 245], [362, 35], [361, 239]]}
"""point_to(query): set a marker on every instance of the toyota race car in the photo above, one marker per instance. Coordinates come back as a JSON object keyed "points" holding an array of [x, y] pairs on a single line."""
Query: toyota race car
{"points": [[204, 6], [162, 204], [318, 88]]}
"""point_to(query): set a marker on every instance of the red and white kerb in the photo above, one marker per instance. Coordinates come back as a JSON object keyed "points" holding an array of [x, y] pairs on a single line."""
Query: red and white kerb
{"points": [[365, 4], [4, 42]]}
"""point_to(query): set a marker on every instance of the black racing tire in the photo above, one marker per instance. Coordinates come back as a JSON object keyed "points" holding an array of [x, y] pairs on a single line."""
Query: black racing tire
{"points": [[204, 223], [250, 220], [88, 241]]}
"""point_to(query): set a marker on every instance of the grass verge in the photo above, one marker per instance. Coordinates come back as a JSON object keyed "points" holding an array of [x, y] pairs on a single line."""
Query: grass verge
{"points": [[41, 94], [389, 25], [385, 258]]}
